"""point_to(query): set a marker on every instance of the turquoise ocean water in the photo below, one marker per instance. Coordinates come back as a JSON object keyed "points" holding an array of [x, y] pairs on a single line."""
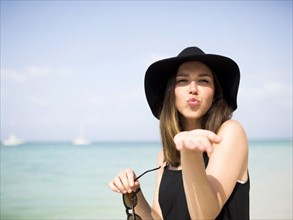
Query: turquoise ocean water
{"points": [[61, 181]]}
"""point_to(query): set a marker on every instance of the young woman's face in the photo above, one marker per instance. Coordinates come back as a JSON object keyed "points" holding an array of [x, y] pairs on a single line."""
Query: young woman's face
{"points": [[194, 91]]}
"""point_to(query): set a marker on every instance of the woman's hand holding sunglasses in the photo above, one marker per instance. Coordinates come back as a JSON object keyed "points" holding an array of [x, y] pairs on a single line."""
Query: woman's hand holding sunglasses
{"points": [[125, 182]]}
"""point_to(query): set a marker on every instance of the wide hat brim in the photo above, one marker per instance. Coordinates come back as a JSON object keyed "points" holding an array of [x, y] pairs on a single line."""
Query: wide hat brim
{"points": [[158, 73]]}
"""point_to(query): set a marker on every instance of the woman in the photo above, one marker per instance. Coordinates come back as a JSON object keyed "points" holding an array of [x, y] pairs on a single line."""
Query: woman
{"points": [[204, 161]]}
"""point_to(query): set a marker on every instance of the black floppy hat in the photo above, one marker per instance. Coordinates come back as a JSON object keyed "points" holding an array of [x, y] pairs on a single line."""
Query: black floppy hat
{"points": [[158, 73]]}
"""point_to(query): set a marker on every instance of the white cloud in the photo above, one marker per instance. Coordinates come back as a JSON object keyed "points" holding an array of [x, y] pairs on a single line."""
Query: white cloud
{"points": [[37, 101], [44, 120], [274, 91], [38, 72], [64, 72], [23, 76], [13, 76]]}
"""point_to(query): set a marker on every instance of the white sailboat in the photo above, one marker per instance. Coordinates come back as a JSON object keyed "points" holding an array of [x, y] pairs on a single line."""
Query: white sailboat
{"points": [[81, 140], [12, 140]]}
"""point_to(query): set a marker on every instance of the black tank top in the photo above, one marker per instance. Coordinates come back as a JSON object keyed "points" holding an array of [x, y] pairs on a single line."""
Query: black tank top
{"points": [[174, 206]]}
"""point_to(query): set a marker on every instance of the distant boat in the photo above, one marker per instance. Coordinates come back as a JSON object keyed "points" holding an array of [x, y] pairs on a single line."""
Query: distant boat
{"points": [[12, 140], [81, 140]]}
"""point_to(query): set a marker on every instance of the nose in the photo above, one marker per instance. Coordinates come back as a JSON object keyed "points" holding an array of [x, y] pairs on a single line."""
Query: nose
{"points": [[192, 88]]}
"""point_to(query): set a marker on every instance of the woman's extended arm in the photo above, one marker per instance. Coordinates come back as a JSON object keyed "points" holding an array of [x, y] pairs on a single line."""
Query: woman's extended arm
{"points": [[208, 189]]}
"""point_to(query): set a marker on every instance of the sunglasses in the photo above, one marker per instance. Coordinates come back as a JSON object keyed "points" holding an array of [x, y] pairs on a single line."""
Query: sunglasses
{"points": [[130, 199]]}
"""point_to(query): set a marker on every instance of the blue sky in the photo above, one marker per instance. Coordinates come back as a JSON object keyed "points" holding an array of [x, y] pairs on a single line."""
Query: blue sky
{"points": [[66, 63]]}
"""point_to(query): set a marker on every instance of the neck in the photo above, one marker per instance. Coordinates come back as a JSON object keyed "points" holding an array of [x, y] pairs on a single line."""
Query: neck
{"points": [[189, 125]]}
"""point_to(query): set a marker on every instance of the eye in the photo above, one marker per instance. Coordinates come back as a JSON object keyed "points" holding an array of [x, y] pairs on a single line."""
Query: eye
{"points": [[181, 80], [204, 81]]}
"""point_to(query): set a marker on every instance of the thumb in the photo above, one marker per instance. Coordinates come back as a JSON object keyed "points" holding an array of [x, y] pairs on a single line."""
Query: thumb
{"points": [[217, 139], [214, 138]]}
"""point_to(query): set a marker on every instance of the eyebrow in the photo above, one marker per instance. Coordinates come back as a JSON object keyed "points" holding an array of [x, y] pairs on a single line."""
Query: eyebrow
{"points": [[182, 74], [200, 75], [206, 74]]}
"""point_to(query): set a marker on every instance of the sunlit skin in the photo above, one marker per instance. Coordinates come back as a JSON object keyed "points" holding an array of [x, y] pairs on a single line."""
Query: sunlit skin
{"points": [[194, 92]]}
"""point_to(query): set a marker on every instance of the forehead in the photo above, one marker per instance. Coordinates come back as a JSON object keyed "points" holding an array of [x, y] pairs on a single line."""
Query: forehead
{"points": [[194, 66]]}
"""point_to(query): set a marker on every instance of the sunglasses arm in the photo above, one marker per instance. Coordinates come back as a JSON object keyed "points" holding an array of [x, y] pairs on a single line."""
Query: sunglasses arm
{"points": [[143, 209]]}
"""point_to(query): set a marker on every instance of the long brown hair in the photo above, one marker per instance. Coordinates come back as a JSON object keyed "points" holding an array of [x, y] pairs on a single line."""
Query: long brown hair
{"points": [[170, 125]]}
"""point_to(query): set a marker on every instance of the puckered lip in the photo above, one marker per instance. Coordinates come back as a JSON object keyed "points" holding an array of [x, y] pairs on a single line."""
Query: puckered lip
{"points": [[193, 100]]}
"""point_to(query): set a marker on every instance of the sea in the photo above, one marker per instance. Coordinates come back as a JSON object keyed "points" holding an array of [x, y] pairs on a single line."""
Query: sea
{"points": [[44, 181]]}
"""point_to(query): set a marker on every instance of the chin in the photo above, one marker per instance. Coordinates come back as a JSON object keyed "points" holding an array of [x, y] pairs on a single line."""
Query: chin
{"points": [[193, 114], [193, 117]]}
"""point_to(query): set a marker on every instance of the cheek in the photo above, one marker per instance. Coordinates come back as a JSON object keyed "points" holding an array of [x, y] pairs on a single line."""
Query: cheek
{"points": [[178, 97], [210, 98]]}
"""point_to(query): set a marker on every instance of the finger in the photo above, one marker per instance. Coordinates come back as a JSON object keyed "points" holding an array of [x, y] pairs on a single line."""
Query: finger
{"points": [[214, 137], [192, 144], [206, 145], [200, 143], [178, 142], [131, 177], [116, 185], [118, 182], [128, 179], [113, 187]]}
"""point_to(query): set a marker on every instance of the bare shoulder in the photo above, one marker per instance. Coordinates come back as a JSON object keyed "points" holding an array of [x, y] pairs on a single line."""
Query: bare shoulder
{"points": [[231, 125], [231, 128], [233, 134], [161, 158]]}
